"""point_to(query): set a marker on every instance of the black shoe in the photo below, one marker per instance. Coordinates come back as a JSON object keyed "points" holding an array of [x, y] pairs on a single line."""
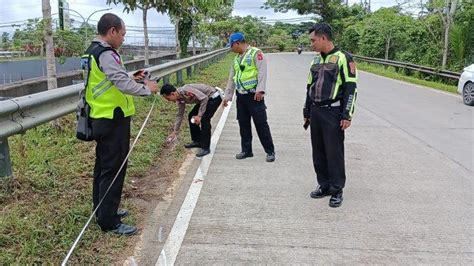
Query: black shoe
{"points": [[193, 144], [203, 152], [270, 157], [122, 213], [124, 230], [336, 199], [243, 155], [319, 193]]}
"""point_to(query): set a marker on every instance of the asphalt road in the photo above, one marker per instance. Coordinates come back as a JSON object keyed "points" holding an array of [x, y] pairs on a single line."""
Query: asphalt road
{"points": [[408, 196]]}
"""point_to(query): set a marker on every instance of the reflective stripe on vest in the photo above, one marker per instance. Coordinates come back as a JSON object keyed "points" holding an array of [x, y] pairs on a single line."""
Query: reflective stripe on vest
{"points": [[245, 71], [102, 95]]}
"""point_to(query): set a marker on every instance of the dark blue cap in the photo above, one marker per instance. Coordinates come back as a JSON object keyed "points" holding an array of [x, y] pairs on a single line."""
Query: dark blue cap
{"points": [[236, 37]]}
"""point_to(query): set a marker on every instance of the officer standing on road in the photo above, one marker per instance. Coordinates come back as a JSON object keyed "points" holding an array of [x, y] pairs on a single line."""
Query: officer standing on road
{"points": [[330, 99], [207, 100], [248, 76], [108, 90]]}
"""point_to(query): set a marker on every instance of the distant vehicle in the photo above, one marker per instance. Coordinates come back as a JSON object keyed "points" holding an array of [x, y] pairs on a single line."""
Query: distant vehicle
{"points": [[466, 85]]}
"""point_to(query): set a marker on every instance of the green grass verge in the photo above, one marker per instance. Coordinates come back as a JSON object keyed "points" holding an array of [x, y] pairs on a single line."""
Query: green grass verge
{"points": [[390, 72], [49, 200]]}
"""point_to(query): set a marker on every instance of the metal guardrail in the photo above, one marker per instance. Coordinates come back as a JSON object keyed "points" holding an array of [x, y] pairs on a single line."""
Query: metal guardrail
{"points": [[422, 69], [20, 114]]}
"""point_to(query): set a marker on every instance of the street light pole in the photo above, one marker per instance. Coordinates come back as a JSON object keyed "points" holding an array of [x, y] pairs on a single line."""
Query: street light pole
{"points": [[86, 21]]}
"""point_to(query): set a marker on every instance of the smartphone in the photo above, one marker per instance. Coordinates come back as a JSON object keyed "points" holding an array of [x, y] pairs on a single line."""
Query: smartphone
{"points": [[138, 72], [306, 124]]}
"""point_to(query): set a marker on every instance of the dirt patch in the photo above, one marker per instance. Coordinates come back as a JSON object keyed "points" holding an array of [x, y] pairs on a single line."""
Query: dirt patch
{"points": [[145, 193]]}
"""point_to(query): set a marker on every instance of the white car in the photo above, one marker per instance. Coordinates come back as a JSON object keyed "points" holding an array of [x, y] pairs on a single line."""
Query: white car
{"points": [[466, 85]]}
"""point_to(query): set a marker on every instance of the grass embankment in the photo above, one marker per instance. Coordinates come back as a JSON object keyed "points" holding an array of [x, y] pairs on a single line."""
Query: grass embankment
{"points": [[49, 200], [391, 72]]}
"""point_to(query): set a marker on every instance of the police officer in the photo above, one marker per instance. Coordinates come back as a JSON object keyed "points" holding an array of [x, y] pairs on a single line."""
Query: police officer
{"points": [[330, 98], [108, 93], [248, 76], [206, 99]]}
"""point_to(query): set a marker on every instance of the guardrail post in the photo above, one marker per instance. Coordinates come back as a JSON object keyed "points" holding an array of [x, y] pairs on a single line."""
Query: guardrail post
{"points": [[189, 72], [179, 77], [5, 163], [166, 79], [196, 68]]}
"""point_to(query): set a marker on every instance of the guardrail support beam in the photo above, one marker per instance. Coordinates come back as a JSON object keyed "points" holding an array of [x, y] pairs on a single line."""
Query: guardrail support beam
{"points": [[196, 69], [189, 72], [179, 77], [5, 163]]}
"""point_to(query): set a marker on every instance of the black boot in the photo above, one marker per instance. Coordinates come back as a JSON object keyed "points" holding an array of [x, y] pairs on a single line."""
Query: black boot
{"points": [[203, 152], [243, 155], [336, 199], [193, 144], [319, 193]]}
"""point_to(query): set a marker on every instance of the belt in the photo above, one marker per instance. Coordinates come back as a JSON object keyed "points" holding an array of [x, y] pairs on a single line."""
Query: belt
{"points": [[240, 91], [329, 105], [215, 94]]}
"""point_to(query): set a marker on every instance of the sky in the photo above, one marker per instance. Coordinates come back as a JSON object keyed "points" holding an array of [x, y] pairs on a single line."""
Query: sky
{"points": [[16, 11]]}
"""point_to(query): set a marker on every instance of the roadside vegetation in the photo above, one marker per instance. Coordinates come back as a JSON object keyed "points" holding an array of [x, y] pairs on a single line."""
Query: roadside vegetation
{"points": [[417, 78], [48, 201]]}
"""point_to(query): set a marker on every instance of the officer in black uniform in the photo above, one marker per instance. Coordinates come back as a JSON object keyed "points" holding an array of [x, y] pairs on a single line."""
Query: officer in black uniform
{"points": [[330, 99]]}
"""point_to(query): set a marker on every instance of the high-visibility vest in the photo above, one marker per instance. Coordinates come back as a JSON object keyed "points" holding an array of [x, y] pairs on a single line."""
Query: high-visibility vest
{"points": [[101, 94], [325, 79], [245, 71]]}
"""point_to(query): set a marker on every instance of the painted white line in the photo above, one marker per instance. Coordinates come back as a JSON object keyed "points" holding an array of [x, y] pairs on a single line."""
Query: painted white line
{"points": [[416, 85], [175, 238]]}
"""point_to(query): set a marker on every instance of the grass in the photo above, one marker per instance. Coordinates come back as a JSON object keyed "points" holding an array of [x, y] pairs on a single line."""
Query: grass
{"points": [[48, 201], [390, 72]]}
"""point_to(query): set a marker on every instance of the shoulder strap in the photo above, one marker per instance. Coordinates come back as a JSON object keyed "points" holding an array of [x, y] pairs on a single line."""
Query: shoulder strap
{"points": [[95, 50]]}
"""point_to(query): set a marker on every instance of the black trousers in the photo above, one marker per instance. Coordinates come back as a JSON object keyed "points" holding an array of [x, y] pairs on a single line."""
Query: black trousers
{"points": [[247, 109], [327, 140], [202, 134], [113, 140]]}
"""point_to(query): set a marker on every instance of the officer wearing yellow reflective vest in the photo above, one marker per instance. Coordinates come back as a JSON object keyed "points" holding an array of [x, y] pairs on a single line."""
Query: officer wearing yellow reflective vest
{"points": [[248, 76], [108, 93], [329, 106]]}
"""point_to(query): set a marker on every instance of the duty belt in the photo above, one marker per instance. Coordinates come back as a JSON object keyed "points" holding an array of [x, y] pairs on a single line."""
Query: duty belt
{"points": [[215, 94], [328, 105]]}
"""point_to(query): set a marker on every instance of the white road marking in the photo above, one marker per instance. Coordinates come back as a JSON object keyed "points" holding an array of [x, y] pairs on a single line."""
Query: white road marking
{"points": [[175, 238]]}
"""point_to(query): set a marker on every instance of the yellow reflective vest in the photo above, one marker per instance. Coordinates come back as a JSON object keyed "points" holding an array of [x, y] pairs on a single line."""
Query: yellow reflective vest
{"points": [[245, 71], [101, 94]]}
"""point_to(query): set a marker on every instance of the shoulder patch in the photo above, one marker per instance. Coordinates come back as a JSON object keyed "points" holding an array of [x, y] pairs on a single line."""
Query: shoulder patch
{"points": [[116, 58], [259, 56], [352, 67], [333, 59]]}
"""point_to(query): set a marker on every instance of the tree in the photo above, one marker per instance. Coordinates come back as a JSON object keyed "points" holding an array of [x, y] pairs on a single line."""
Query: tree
{"points": [[48, 37], [253, 29], [50, 59], [181, 12], [5, 40], [389, 25], [326, 9], [187, 16], [144, 5], [31, 38], [446, 10]]}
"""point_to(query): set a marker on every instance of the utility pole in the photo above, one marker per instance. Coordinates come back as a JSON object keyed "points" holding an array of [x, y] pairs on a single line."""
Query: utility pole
{"points": [[61, 14]]}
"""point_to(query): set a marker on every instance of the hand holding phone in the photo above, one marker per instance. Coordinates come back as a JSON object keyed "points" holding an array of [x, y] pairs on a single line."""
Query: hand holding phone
{"points": [[306, 123]]}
